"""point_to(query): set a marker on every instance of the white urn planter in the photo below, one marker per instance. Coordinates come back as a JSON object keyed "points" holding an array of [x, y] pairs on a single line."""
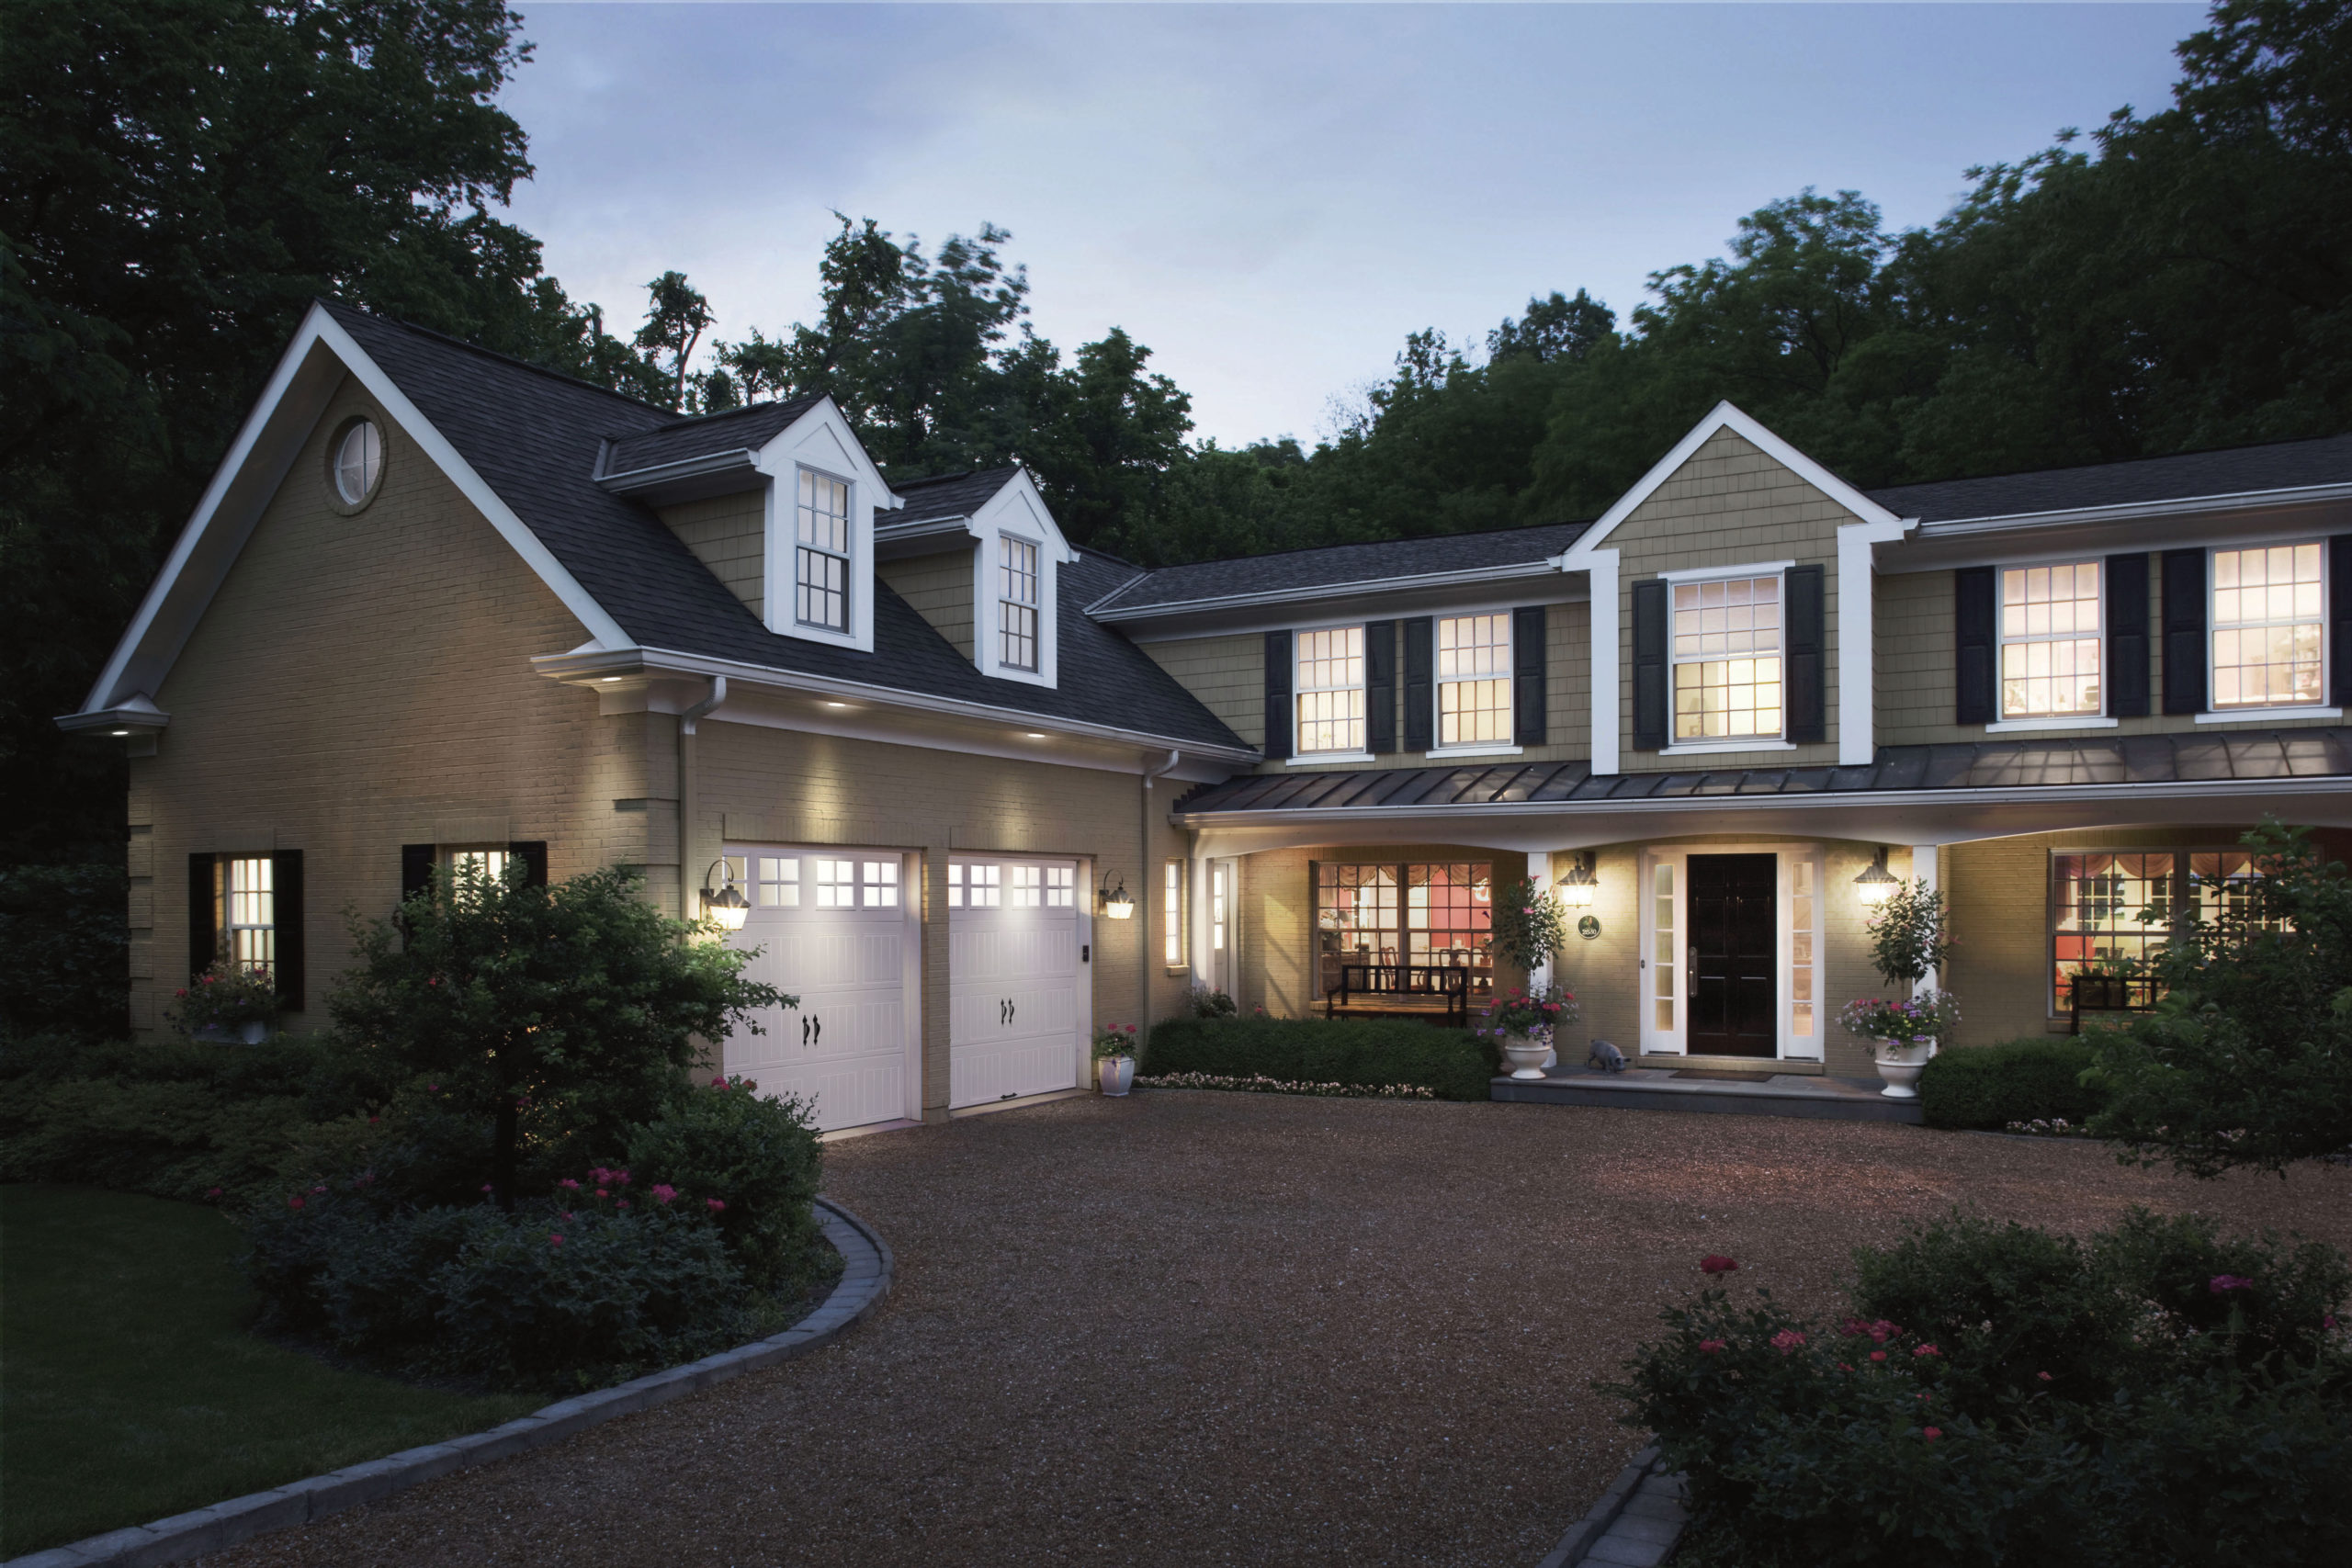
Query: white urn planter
{"points": [[1900, 1064], [1114, 1075], [248, 1034], [1526, 1056]]}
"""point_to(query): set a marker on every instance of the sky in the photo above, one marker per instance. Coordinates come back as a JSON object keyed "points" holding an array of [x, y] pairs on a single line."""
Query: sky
{"points": [[1271, 196]]}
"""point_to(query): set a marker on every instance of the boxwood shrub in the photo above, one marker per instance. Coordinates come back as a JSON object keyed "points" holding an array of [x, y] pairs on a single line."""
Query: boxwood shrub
{"points": [[1992, 1086], [1452, 1063]]}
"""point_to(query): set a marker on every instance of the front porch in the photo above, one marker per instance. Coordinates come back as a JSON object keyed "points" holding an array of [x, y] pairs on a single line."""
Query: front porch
{"points": [[1815, 1096]]}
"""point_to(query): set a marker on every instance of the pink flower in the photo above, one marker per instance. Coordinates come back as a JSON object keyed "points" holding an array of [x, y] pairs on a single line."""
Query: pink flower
{"points": [[717, 1205], [485, 1187], [1882, 1331], [215, 1193], [567, 1213], [1714, 1263], [1845, 1366], [1925, 1350], [1709, 1347], [2043, 1376], [1131, 1029], [1931, 1433], [555, 1238], [293, 1202], [624, 1203], [320, 1187], [2328, 1321], [2222, 1284], [600, 1193], [568, 1185], [1787, 1340], [433, 1089], [663, 1192], [1878, 1355]]}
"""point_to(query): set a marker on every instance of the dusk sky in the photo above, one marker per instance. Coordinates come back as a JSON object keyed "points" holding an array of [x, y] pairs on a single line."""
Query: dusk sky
{"points": [[1271, 197]]}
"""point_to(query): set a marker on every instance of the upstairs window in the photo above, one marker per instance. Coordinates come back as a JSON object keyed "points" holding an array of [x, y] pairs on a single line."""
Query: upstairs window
{"points": [[2269, 635], [1330, 690], [1474, 681], [1016, 603], [821, 561], [2050, 632], [358, 462], [1727, 659]]}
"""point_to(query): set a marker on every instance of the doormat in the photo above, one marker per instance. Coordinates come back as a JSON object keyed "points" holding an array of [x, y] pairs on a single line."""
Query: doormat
{"points": [[1718, 1073]]}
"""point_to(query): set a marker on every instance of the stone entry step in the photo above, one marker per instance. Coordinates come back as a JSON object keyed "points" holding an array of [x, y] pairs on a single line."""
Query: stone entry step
{"points": [[1651, 1089]]}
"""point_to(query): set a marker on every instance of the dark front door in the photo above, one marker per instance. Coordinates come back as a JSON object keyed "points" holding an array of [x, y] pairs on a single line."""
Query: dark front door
{"points": [[1732, 956]]}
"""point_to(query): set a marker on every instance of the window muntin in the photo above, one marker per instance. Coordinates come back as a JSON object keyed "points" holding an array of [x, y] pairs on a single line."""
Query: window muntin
{"points": [[1727, 659], [1216, 908], [877, 883], [836, 883], [1666, 958], [1414, 913], [248, 893], [2098, 897], [1803, 954], [1474, 680], [779, 882], [975, 886], [1061, 887], [1025, 890], [2050, 641], [1016, 603], [820, 558], [2268, 628], [358, 462], [1330, 685], [490, 866], [1171, 911]]}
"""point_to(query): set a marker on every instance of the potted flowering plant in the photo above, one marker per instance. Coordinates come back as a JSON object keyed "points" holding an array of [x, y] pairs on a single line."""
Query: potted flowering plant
{"points": [[1522, 1023], [1907, 945], [1114, 1059], [227, 1002]]}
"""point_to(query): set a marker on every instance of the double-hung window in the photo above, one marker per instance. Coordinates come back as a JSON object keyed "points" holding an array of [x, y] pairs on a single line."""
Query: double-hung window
{"points": [[1473, 705], [2268, 632], [1727, 659], [249, 905], [1016, 603], [1331, 690], [820, 558], [2050, 641]]}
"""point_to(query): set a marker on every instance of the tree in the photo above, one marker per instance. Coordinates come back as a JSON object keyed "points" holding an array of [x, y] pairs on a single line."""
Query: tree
{"points": [[1110, 433], [1556, 328], [564, 1013], [675, 318]]}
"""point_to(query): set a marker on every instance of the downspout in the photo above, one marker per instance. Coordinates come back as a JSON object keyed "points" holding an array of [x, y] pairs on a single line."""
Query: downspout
{"points": [[687, 721], [1147, 898]]}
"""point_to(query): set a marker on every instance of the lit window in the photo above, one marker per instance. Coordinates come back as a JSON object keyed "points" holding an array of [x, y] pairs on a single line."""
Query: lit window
{"points": [[249, 892], [358, 462], [2268, 638], [1216, 908], [1803, 959], [1027, 887], [1727, 659], [1172, 910], [1330, 690], [987, 886], [954, 886], [484, 865], [880, 883], [1666, 963], [836, 883], [820, 566], [1016, 603], [1473, 680], [779, 886], [2050, 630], [1061, 887]]}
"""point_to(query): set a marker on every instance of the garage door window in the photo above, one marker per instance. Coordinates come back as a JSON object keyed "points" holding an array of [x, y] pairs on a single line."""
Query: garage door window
{"points": [[836, 883], [1028, 886], [779, 884], [1061, 887], [975, 886], [879, 883]]}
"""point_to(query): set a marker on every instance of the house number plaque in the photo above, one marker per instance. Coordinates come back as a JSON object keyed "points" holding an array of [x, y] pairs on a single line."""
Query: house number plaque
{"points": [[1588, 927]]}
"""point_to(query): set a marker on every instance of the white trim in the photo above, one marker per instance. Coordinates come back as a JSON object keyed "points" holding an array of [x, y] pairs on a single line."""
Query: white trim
{"points": [[1315, 759], [1606, 631], [1677, 1041], [2266, 716], [1857, 634], [1508, 614], [2043, 725], [1732, 743], [1716, 573], [1443, 753], [1017, 510], [2236, 500], [1101, 611]]}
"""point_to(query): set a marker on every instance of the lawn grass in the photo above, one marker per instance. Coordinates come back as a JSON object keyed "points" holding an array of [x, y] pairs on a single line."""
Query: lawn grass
{"points": [[131, 1388]]}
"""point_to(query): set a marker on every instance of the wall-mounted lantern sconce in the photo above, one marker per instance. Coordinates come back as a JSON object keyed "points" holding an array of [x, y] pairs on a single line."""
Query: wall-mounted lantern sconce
{"points": [[1115, 902], [727, 906], [1876, 883], [1576, 888]]}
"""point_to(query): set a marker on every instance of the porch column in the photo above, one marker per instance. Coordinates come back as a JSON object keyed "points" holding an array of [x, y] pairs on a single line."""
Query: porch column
{"points": [[1923, 869], [1539, 871]]}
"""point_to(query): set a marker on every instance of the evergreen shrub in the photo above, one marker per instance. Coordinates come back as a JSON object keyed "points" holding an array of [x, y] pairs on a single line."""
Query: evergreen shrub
{"points": [[2020, 1080], [1453, 1062]]}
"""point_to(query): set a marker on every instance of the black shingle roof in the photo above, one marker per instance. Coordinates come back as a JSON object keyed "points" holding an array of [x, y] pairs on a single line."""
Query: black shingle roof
{"points": [[2016, 764], [1337, 567], [753, 427], [533, 434], [948, 495], [2280, 465]]}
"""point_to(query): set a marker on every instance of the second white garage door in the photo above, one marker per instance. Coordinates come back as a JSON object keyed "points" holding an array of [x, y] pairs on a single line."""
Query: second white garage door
{"points": [[1016, 1014]]}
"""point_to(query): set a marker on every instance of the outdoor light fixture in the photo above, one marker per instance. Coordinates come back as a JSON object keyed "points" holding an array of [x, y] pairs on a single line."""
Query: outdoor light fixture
{"points": [[1876, 882], [1115, 902], [1577, 887], [728, 906]]}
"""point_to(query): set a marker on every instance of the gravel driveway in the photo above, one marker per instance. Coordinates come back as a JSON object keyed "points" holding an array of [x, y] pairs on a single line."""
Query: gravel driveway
{"points": [[1191, 1329]]}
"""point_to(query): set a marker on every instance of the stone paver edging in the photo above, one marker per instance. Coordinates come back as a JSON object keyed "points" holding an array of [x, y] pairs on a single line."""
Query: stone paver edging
{"points": [[866, 1268], [1636, 1524]]}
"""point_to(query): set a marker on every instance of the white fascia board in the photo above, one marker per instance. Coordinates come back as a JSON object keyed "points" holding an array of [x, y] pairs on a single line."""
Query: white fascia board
{"points": [[1857, 598], [630, 481], [2130, 510], [248, 477], [1724, 416], [1357, 586], [567, 666]]}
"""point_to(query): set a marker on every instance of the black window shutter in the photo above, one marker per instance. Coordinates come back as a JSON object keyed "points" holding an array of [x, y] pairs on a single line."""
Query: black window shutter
{"points": [[1808, 704], [1973, 645], [2183, 631], [416, 870], [533, 853], [1380, 686], [203, 909], [1277, 694], [1421, 704], [1649, 665], [285, 887], [2127, 635], [1527, 671], [2339, 610]]}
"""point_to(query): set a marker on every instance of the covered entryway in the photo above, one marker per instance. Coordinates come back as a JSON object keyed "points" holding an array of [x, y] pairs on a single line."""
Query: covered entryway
{"points": [[1733, 955], [1017, 1009], [831, 928]]}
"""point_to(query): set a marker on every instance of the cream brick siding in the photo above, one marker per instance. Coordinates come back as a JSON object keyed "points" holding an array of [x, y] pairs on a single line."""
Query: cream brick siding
{"points": [[729, 535], [1728, 505], [940, 588]]}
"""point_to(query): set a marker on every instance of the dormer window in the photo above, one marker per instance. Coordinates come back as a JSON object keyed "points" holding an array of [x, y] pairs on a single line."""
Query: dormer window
{"points": [[1017, 604], [820, 560]]}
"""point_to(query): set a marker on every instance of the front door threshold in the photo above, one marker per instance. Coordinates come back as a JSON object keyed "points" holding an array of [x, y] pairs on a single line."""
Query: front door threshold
{"points": [[1666, 1062]]}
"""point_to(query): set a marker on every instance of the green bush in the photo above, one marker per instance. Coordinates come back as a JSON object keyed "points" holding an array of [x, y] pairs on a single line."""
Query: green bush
{"points": [[1992, 1086], [1450, 1062], [2154, 1396], [67, 931], [759, 1157]]}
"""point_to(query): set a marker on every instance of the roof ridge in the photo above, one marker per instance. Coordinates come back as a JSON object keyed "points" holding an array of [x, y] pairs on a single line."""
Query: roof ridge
{"points": [[958, 474], [2108, 463], [679, 422], [471, 348]]}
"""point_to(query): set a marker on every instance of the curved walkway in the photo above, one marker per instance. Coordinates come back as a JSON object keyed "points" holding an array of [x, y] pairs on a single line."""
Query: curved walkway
{"points": [[1195, 1328]]}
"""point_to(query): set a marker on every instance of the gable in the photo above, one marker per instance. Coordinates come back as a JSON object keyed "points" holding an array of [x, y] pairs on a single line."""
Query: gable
{"points": [[1729, 504]]}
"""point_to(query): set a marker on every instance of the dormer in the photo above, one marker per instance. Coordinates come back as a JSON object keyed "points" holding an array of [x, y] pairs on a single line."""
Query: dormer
{"points": [[791, 476], [980, 557]]}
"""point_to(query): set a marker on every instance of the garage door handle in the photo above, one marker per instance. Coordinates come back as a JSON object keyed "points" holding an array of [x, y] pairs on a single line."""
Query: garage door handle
{"points": [[1004, 1012], [1012, 1011], [819, 1021], [804, 1031]]}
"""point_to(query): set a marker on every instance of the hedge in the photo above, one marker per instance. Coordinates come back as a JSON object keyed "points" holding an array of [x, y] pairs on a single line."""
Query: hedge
{"points": [[1992, 1086], [1452, 1063]]}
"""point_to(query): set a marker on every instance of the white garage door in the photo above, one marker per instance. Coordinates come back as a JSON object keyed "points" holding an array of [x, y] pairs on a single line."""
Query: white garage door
{"points": [[1016, 1022], [831, 928]]}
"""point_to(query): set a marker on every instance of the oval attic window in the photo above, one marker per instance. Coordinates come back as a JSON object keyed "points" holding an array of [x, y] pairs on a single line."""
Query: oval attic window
{"points": [[358, 462]]}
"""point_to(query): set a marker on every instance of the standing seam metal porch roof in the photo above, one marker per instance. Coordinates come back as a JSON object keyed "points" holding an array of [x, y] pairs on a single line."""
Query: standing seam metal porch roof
{"points": [[2016, 764]]}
